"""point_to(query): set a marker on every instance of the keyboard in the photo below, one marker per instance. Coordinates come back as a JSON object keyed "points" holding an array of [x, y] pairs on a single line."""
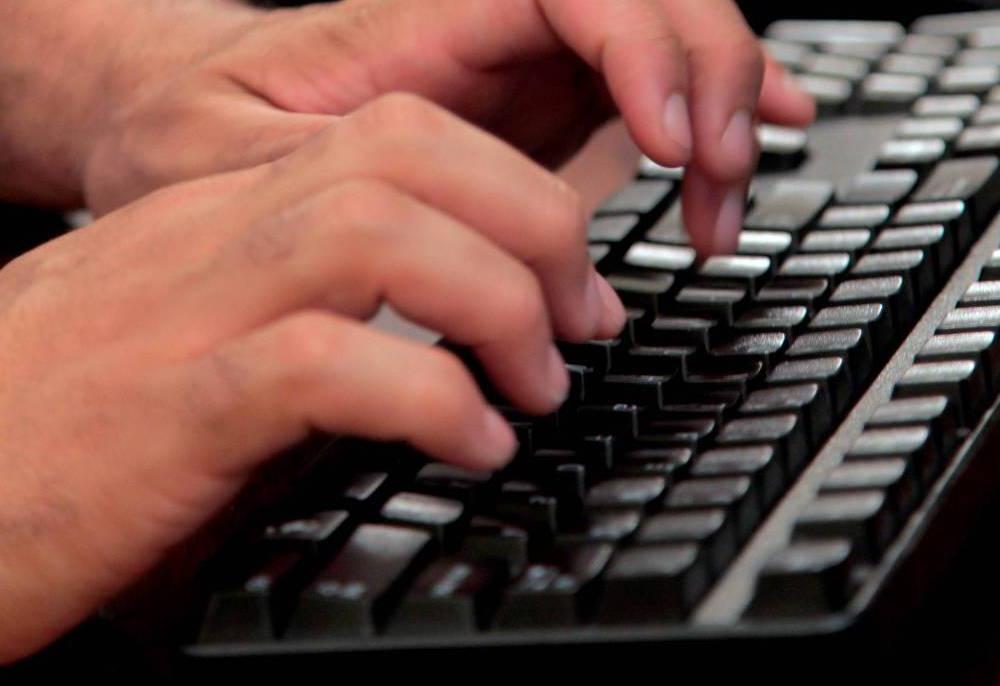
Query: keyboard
{"points": [[774, 457]]}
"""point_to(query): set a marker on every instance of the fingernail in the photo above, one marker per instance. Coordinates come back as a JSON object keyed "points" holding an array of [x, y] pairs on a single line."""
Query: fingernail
{"points": [[729, 221], [558, 377], [614, 311], [677, 121], [496, 442], [737, 140]]}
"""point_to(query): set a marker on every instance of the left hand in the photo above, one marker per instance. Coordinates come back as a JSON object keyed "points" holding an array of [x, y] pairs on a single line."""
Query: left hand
{"points": [[687, 76]]}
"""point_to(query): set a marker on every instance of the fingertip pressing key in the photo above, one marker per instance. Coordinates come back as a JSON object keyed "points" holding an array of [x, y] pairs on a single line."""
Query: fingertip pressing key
{"points": [[494, 442]]}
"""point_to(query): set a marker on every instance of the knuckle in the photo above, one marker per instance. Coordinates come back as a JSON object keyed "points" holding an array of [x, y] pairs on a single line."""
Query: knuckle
{"points": [[367, 208], [405, 115], [306, 341]]}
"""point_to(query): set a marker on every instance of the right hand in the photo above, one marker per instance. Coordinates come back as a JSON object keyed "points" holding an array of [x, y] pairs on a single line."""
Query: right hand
{"points": [[154, 359]]}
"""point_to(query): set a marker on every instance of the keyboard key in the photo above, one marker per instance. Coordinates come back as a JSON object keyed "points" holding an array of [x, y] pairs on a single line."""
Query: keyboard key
{"points": [[783, 319], [862, 517], [439, 516], [712, 301], [759, 462], [313, 535], [975, 345], [977, 140], [830, 93], [889, 290], [962, 106], [639, 196], [974, 180], [840, 66], [734, 494], [945, 128], [926, 66], [936, 46], [626, 492], [848, 241], [854, 217], [911, 152], [808, 400], [951, 213], [791, 55], [762, 347], [789, 206], [772, 244], [644, 291], [883, 92], [912, 266], [672, 258], [914, 444], [937, 412], [354, 594], [611, 229], [452, 596], [931, 238], [892, 475], [710, 529], [969, 318], [653, 583], [884, 187], [982, 293], [851, 344], [831, 373], [815, 265], [967, 79], [978, 57], [493, 540], [810, 577], [955, 24], [871, 318], [786, 432], [558, 593], [743, 271], [961, 380], [818, 31], [785, 291], [669, 228], [782, 148], [256, 608]]}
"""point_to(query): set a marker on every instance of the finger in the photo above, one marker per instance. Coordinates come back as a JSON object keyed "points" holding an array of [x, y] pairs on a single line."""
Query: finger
{"points": [[483, 182], [256, 394], [713, 212], [725, 72], [781, 100], [361, 243], [634, 47]]}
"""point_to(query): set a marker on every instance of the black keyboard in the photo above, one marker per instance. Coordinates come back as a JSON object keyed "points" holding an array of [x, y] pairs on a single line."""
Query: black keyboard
{"points": [[775, 455]]}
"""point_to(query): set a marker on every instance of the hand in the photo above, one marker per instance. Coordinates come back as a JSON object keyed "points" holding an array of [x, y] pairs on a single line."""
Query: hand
{"points": [[154, 358], [688, 77]]}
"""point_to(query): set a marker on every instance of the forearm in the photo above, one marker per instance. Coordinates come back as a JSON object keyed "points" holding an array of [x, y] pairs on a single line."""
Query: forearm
{"points": [[67, 64]]}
